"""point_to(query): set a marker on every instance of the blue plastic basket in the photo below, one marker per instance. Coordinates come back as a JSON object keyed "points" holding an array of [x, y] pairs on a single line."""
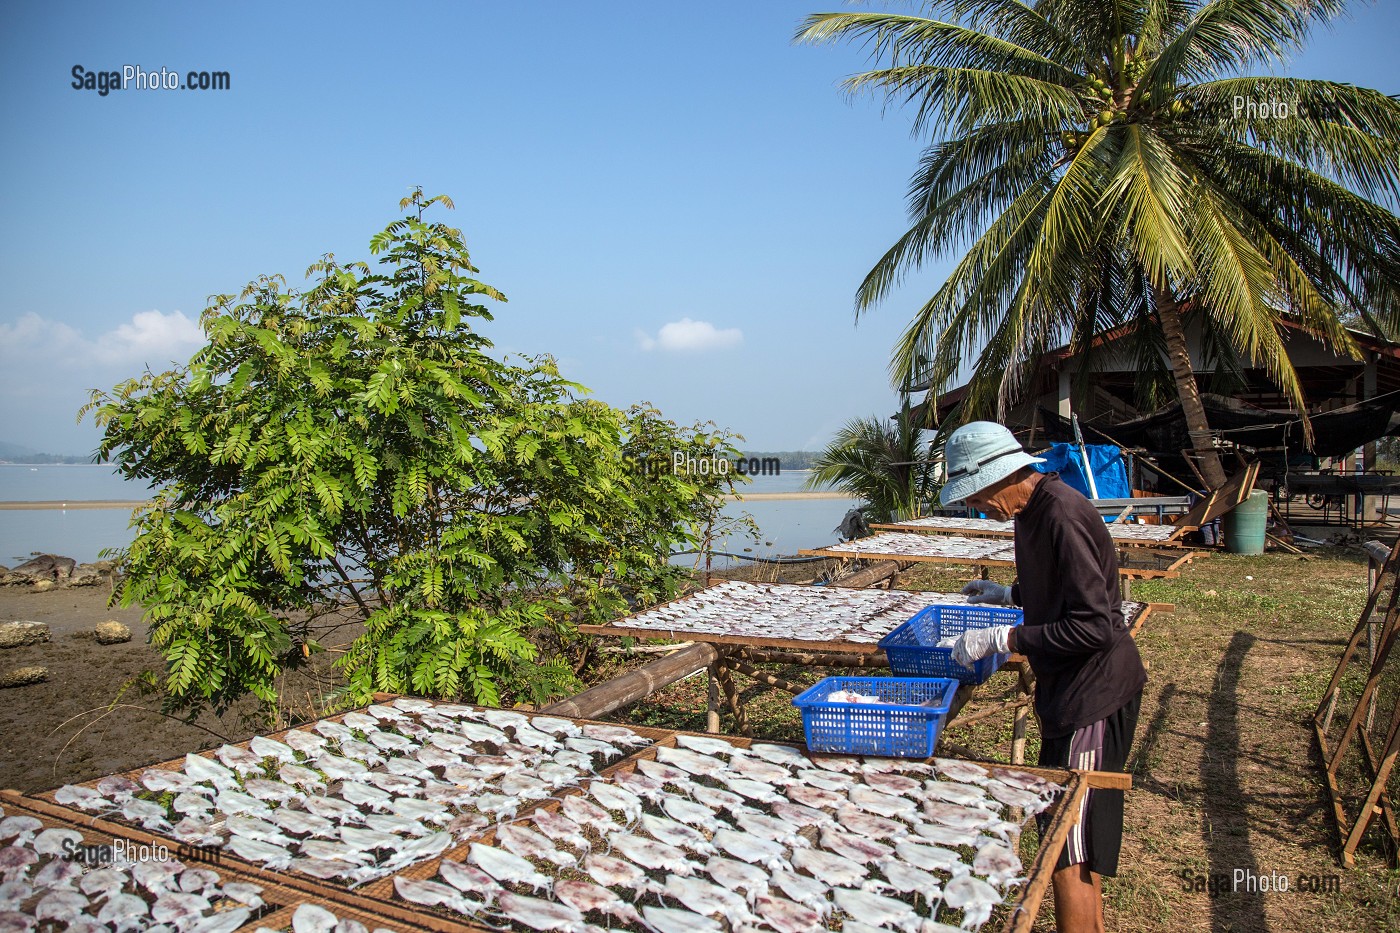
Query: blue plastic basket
{"points": [[912, 648], [897, 727]]}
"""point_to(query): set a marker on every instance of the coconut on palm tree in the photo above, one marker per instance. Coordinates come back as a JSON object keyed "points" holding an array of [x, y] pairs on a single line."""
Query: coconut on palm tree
{"points": [[1100, 163], [881, 460]]}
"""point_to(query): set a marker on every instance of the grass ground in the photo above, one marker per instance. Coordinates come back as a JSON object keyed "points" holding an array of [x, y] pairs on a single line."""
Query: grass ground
{"points": [[1227, 778]]}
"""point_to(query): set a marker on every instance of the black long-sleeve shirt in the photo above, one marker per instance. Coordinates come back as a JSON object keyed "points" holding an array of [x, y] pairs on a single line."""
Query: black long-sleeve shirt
{"points": [[1086, 663]]}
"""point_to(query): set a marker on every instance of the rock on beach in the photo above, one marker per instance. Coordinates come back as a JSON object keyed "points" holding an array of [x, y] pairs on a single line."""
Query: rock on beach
{"points": [[111, 632], [24, 676], [47, 571], [19, 634], [44, 567]]}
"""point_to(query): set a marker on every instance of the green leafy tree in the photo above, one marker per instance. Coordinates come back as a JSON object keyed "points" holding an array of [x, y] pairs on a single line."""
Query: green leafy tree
{"points": [[354, 446], [881, 460], [1093, 164]]}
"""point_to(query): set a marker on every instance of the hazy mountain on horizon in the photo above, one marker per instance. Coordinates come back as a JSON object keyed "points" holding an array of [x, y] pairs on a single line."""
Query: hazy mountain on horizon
{"points": [[18, 453]]}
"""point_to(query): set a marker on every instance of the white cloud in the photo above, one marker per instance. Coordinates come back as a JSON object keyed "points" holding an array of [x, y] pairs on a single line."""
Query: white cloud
{"points": [[152, 337], [686, 335]]}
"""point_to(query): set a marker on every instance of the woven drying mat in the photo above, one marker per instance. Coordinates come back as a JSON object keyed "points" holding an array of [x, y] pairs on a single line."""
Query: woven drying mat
{"points": [[282, 920], [304, 887], [98, 842], [383, 890]]}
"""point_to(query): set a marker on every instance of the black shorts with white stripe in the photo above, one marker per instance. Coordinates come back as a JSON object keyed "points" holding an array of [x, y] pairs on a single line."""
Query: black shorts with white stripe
{"points": [[1101, 746]]}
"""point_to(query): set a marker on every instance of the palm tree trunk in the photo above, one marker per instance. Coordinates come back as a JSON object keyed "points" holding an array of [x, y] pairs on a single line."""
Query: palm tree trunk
{"points": [[1179, 356]]}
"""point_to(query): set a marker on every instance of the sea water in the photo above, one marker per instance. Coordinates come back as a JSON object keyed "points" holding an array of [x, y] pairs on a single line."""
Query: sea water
{"points": [[786, 525]]}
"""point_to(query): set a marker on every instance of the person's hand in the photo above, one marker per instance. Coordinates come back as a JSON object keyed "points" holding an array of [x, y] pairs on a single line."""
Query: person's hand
{"points": [[978, 643], [989, 592]]}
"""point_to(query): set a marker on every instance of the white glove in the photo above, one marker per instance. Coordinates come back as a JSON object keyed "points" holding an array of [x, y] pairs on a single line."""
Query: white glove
{"points": [[989, 592], [978, 643]]}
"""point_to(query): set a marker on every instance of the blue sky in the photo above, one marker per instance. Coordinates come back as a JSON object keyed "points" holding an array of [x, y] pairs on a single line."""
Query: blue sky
{"points": [[678, 202]]}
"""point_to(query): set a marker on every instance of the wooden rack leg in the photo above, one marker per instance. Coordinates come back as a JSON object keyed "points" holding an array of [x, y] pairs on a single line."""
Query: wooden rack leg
{"points": [[1376, 800], [765, 678], [1018, 735], [1354, 724], [1026, 684], [725, 676], [712, 713], [1328, 705]]}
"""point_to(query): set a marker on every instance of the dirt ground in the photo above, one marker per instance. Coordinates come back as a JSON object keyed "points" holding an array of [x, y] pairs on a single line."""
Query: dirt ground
{"points": [[1226, 775], [61, 731]]}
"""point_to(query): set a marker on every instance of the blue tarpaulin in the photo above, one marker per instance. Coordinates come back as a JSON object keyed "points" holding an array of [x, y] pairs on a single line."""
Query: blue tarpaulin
{"points": [[1110, 473]]}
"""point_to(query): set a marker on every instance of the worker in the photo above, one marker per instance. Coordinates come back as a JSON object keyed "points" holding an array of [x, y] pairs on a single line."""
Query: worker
{"points": [[1089, 676]]}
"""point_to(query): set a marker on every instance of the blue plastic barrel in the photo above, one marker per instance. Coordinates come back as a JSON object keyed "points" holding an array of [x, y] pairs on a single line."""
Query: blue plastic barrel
{"points": [[1244, 525]]}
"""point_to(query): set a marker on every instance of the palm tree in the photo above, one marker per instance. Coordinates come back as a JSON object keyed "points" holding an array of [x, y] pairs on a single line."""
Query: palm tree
{"points": [[881, 460], [1109, 162]]}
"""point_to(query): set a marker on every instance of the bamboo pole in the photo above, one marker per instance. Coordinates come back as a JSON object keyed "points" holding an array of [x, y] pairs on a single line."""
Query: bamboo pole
{"points": [[766, 678], [596, 702], [953, 748], [872, 575], [815, 659], [725, 676], [1013, 703]]}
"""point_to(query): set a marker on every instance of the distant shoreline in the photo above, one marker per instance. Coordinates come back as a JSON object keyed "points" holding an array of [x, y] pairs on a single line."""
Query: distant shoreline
{"points": [[72, 504], [771, 496]]}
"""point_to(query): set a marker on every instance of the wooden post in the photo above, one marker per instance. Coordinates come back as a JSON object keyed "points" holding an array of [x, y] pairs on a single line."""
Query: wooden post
{"points": [[1025, 683], [1018, 734], [712, 695], [596, 702], [725, 676]]}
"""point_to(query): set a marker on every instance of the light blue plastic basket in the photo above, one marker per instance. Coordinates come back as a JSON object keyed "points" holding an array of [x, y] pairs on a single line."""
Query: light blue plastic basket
{"points": [[912, 648]]}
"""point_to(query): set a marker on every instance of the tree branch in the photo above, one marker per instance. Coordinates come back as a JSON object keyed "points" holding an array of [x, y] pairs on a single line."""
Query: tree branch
{"points": [[354, 592]]}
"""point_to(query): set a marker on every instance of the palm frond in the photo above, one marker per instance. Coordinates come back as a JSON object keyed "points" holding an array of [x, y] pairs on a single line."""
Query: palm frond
{"points": [[1227, 35], [1088, 161]]}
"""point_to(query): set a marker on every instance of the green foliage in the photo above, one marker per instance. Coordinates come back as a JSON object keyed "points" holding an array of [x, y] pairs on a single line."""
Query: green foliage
{"points": [[353, 445], [883, 461], [1091, 165]]}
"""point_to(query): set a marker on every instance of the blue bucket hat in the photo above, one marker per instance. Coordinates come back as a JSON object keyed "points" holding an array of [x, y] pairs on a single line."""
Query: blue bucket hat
{"points": [[979, 454]]}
